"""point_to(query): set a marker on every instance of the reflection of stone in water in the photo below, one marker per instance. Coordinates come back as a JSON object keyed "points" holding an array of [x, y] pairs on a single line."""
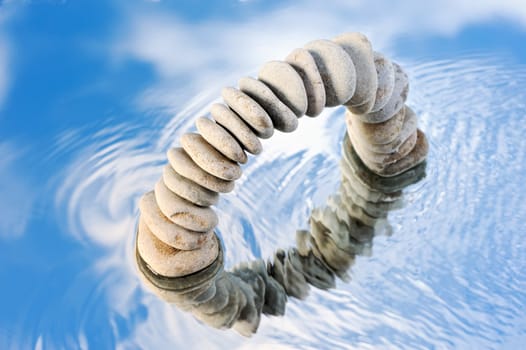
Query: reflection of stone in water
{"points": [[342, 229]]}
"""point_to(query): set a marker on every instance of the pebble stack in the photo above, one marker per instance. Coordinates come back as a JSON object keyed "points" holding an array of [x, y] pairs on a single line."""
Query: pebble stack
{"points": [[342, 229], [176, 236]]}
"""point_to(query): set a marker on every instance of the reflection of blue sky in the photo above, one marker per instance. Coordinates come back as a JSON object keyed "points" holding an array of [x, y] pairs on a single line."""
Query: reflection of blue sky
{"points": [[81, 83]]}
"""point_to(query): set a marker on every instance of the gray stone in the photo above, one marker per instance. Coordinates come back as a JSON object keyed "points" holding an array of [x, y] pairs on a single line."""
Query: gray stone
{"points": [[165, 230], [386, 80], [250, 111], [336, 69], [378, 133], [220, 299], [209, 159], [188, 189], [359, 49], [169, 261], [221, 140], [227, 118], [249, 317], [396, 101], [283, 118], [303, 62], [286, 83], [182, 212], [186, 167]]}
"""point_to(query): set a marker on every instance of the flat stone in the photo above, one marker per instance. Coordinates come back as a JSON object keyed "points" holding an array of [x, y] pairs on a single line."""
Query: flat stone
{"points": [[169, 261], [182, 212], [303, 62], [221, 140], [336, 70], [186, 167], [188, 189], [209, 159], [386, 80], [286, 83], [283, 118], [378, 133], [372, 208], [227, 118], [384, 159], [250, 111], [220, 299], [165, 230], [360, 50], [396, 101], [415, 157]]}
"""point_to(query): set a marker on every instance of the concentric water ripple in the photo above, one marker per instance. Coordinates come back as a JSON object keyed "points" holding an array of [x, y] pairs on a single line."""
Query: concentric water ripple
{"points": [[451, 275]]}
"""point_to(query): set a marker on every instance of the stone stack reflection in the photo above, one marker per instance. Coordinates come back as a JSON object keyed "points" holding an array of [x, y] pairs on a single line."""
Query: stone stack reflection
{"points": [[339, 231]]}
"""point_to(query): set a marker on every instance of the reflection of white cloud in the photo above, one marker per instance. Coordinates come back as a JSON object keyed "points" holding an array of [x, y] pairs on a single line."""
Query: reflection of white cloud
{"points": [[4, 72], [200, 49], [17, 195]]}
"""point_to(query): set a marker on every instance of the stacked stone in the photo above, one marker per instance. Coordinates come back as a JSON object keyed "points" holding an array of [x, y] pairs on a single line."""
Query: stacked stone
{"points": [[176, 239], [342, 229]]}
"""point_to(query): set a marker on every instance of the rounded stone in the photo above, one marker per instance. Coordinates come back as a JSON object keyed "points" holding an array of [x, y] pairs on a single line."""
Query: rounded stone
{"points": [[360, 51], [188, 189], [228, 119], [386, 79], [396, 101], [250, 111], [165, 230], [182, 212], [379, 133], [417, 155], [286, 83], [169, 261], [283, 118], [303, 62], [209, 159], [221, 139], [186, 167], [336, 70]]}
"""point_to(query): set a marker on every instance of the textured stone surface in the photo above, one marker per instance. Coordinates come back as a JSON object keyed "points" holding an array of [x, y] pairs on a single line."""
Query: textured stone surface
{"points": [[283, 118], [250, 111], [186, 167], [303, 62], [336, 69], [359, 49], [384, 159], [169, 261], [209, 159], [165, 230], [221, 140], [396, 101], [379, 133], [188, 189], [182, 212], [386, 78], [229, 119], [286, 83]]}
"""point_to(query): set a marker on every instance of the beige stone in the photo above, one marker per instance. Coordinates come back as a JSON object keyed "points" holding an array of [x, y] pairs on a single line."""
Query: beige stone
{"points": [[396, 101], [303, 62], [182, 212], [188, 189], [286, 83], [169, 261], [379, 133], [186, 167], [250, 111], [415, 157], [209, 159], [336, 70], [221, 140], [228, 119], [165, 230], [283, 118], [386, 79], [360, 50], [384, 159]]}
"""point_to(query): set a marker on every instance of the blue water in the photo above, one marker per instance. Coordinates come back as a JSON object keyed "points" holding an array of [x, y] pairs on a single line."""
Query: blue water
{"points": [[92, 96]]}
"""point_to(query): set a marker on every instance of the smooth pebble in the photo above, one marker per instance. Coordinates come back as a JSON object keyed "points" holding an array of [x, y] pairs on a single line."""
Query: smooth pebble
{"points": [[188, 189], [221, 140]]}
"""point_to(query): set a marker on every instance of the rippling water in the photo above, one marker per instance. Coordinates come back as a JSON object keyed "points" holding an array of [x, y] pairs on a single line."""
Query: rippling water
{"points": [[451, 275]]}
